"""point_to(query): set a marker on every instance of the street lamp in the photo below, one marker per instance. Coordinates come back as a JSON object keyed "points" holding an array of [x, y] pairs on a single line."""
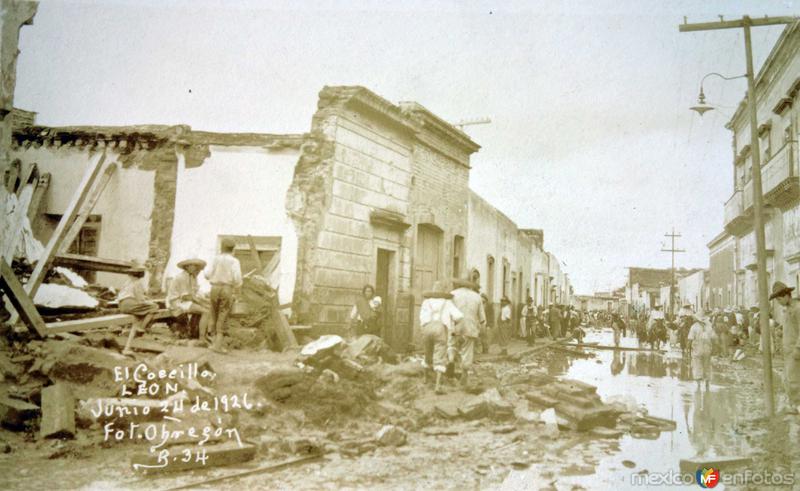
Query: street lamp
{"points": [[701, 107], [745, 23]]}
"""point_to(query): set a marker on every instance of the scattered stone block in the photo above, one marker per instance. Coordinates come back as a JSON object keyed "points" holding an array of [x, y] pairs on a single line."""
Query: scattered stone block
{"points": [[582, 419], [446, 411], [391, 436], [499, 408], [278, 384], [474, 407], [58, 412], [9, 369], [366, 346], [14, 413]]}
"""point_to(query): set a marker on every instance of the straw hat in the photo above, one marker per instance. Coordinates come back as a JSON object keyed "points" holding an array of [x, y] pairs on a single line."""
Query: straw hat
{"points": [[192, 262], [439, 291], [780, 289], [465, 283]]}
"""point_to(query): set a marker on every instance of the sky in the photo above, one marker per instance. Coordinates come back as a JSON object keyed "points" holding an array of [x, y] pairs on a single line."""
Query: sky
{"points": [[591, 138]]}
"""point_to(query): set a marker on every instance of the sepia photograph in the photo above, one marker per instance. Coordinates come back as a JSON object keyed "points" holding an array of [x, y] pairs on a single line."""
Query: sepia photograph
{"points": [[409, 245]]}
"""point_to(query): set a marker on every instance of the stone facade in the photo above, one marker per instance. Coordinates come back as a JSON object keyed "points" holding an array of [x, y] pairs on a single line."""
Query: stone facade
{"points": [[501, 253], [381, 202], [723, 290], [375, 194], [778, 115]]}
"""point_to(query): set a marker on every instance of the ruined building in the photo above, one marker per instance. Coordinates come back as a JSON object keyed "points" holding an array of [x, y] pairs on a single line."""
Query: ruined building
{"points": [[375, 193]]}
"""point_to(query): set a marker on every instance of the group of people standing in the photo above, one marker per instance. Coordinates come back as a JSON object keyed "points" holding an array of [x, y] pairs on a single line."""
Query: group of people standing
{"points": [[452, 322], [455, 321], [185, 301], [726, 332]]}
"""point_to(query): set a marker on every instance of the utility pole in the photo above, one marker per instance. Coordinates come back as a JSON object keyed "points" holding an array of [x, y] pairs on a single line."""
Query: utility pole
{"points": [[672, 250], [758, 199]]}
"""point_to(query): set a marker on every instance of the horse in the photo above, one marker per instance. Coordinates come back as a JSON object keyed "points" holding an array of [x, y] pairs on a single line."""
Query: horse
{"points": [[657, 334]]}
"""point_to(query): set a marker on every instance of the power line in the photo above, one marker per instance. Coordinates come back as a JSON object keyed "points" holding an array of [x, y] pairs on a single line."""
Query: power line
{"points": [[672, 250]]}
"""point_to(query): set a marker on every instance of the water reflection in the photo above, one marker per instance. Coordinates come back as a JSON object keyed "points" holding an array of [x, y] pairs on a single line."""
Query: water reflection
{"points": [[710, 412], [660, 383]]}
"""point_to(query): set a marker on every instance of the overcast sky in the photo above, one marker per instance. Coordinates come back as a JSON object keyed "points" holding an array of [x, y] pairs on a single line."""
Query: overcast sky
{"points": [[590, 140]]}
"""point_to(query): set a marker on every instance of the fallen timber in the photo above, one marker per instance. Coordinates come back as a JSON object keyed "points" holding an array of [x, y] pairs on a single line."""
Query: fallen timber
{"points": [[613, 348]]}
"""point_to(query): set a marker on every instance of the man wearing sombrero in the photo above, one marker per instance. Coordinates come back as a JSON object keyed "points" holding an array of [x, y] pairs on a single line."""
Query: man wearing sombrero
{"points": [[789, 317], [183, 294]]}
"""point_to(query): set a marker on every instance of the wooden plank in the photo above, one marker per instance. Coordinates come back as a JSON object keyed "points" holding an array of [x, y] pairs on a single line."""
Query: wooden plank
{"points": [[95, 263], [42, 185], [19, 298], [112, 320], [11, 176], [285, 333], [43, 265], [89, 323], [613, 348], [30, 172], [87, 207], [254, 254]]}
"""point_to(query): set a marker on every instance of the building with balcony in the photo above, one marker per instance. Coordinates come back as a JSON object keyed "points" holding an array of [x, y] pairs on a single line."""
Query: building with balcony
{"points": [[723, 290], [778, 113]]}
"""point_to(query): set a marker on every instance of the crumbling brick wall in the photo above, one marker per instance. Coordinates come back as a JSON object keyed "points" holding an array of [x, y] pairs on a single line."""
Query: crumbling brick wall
{"points": [[307, 200], [13, 15]]}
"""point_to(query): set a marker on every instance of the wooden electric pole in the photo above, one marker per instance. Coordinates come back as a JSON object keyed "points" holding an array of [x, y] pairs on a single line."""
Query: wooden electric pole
{"points": [[672, 250], [746, 23]]}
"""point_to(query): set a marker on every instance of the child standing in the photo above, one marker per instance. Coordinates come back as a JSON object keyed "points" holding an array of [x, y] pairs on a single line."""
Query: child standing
{"points": [[225, 276]]}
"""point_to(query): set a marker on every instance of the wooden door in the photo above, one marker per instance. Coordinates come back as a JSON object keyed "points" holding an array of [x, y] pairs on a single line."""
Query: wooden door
{"points": [[427, 264]]}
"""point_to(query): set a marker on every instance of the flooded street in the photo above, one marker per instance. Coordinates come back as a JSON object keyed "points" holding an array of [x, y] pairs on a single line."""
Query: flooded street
{"points": [[660, 384]]}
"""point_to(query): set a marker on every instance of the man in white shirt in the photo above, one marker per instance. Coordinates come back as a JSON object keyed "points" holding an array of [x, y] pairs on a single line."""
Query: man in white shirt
{"points": [[437, 318], [701, 340], [468, 301], [225, 276]]}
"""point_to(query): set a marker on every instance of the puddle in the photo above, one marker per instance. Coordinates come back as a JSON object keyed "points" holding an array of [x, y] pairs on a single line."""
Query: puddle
{"points": [[659, 382]]}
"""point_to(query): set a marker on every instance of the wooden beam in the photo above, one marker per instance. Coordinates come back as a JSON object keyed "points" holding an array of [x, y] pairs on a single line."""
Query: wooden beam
{"points": [[95, 263], [87, 207], [11, 176], [42, 266], [113, 320], [254, 254], [19, 298], [733, 24], [42, 184], [26, 174], [285, 333]]}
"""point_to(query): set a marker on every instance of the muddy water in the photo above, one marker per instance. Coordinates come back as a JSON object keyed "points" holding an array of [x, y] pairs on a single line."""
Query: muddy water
{"points": [[661, 384]]}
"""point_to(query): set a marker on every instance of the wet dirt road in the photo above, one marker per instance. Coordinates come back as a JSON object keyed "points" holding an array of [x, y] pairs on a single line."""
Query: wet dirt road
{"points": [[710, 423]]}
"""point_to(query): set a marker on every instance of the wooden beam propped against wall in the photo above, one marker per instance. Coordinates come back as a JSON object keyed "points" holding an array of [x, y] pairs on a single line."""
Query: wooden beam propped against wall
{"points": [[72, 212], [19, 298], [87, 208]]}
